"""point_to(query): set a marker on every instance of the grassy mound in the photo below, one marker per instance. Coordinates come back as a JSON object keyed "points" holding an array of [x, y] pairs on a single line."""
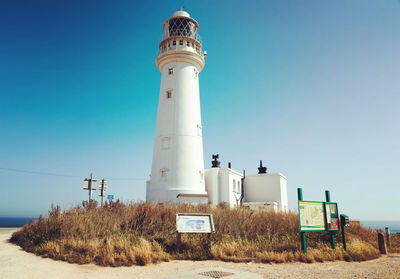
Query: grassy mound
{"points": [[141, 233]]}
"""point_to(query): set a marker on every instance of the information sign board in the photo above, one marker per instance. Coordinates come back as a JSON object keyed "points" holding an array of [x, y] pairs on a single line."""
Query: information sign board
{"points": [[194, 223], [332, 216], [110, 197], [312, 216]]}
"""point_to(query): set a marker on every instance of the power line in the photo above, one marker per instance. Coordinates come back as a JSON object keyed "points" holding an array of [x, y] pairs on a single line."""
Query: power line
{"points": [[60, 175], [40, 173]]}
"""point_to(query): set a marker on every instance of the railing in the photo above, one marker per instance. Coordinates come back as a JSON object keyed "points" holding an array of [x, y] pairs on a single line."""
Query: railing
{"points": [[201, 53], [195, 37]]}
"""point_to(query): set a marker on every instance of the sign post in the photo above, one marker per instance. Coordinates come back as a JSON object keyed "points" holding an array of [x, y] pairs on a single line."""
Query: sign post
{"points": [[332, 222], [387, 231], [90, 184], [110, 199], [302, 234], [102, 190]]}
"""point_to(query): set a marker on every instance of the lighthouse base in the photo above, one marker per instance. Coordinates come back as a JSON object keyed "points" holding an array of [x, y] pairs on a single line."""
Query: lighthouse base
{"points": [[160, 194]]}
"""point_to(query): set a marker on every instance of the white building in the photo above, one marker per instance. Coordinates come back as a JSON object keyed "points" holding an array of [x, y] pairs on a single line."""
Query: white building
{"points": [[177, 173]]}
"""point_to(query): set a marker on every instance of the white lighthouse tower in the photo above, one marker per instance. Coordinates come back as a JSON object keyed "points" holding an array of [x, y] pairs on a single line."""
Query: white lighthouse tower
{"points": [[177, 173]]}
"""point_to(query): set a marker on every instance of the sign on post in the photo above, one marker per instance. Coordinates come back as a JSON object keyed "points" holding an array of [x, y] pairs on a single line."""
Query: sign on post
{"points": [[332, 216], [89, 183], [110, 197], [194, 223], [311, 215]]}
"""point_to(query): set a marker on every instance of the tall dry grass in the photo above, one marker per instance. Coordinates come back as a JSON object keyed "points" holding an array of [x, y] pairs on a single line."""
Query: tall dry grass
{"points": [[142, 233]]}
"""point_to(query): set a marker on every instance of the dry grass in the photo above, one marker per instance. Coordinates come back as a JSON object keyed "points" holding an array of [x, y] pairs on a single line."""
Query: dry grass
{"points": [[141, 233], [395, 243]]}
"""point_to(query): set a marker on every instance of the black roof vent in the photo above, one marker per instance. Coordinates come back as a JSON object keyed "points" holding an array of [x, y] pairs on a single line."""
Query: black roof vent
{"points": [[215, 163], [262, 169]]}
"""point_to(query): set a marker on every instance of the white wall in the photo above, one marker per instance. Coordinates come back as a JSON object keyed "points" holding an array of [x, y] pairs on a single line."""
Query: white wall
{"points": [[270, 187], [219, 186], [178, 166]]}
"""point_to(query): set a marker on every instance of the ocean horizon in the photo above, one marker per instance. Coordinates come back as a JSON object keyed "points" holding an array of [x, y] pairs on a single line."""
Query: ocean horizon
{"points": [[9, 222]]}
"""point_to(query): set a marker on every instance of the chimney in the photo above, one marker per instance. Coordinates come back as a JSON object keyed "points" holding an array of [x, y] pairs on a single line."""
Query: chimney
{"points": [[262, 169], [215, 163]]}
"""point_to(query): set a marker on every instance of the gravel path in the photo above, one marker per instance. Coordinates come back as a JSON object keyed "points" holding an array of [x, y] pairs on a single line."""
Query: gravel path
{"points": [[16, 263]]}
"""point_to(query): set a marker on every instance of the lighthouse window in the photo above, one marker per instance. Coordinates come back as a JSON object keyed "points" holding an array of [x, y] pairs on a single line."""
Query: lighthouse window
{"points": [[171, 71], [165, 143], [192, 44], [181, 42], [164, 172], [196, 73], [168, 94], [174, 43], [188, 44]]}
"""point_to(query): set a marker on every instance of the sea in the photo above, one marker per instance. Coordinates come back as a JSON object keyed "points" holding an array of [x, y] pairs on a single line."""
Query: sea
{"points": [[14, 222], [7, 222]]}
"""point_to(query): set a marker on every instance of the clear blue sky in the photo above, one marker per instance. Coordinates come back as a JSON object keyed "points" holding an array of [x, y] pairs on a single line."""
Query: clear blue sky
{"points": [[310, 87]]}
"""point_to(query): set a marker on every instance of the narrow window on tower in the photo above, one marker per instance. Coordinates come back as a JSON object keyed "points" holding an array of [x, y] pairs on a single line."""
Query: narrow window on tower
{"points": [[164, 173], [196, 73], [188, 44], [168, 94], [165, 142], [174, 43], [181, 42], [171, 71]]}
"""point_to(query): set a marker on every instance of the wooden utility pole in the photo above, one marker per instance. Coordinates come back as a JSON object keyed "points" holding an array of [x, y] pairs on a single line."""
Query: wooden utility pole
{"points": [[102, 190]]}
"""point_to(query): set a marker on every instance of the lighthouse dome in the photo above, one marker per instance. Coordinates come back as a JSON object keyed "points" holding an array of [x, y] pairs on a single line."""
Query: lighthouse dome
{"points": [[181, 13]]}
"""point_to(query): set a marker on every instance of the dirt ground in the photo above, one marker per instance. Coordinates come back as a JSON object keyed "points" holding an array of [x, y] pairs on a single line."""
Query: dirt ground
{"points": [[16, 263]]}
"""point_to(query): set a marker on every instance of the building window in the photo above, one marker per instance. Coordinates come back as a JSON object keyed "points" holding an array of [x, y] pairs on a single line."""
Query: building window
{"points": [[165, 142], [169, 44], [188, 44], [174, 43], [192, 44], [164, 172], [168, 94], [238, 187], [201, 176], [171, 71], [181, 42], [234, 186], [196, 73]]}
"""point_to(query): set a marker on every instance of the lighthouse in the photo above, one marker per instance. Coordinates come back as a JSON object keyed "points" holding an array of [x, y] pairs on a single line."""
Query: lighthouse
{"points": [[177, 173]]}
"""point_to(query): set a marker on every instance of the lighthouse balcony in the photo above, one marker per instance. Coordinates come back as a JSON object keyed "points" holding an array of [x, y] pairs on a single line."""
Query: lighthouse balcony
{"points": [[180, 43]]}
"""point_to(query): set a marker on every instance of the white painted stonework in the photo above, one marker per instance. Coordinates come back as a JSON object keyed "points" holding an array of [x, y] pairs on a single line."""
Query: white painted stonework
{"points": [[178, 165], [266, 187], [261, 191], [223, 185]]}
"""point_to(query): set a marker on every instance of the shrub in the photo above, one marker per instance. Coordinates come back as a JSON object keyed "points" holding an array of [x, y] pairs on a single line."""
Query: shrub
{"points": [[142, 233]]}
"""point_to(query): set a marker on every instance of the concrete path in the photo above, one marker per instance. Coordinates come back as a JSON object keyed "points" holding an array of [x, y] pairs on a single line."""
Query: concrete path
{"points": [[18, 264]]}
